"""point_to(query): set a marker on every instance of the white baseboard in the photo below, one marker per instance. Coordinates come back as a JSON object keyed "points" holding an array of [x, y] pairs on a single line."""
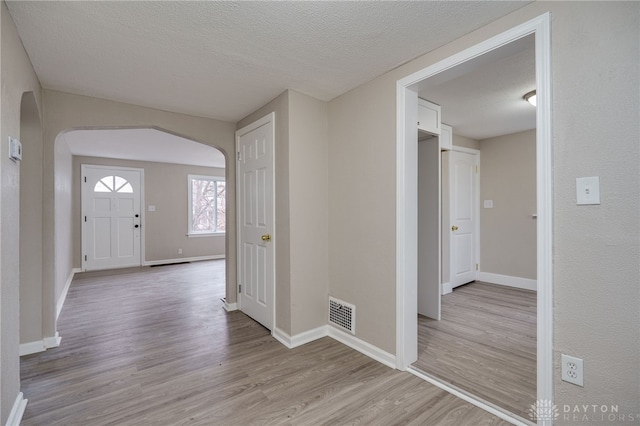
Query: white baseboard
{"points": [[65, 290], [40, 345], [309, 336], [53, 341], [282, 337], [363, 347], [446, 288], [347, 339], [31, 348], [182, 260], [506, 280], [299, 339], [229, 307], [17, 411]]}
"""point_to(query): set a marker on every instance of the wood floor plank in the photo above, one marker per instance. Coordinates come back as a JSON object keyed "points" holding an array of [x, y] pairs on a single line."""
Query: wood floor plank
{"points": [[153, 346], [485, 344]]}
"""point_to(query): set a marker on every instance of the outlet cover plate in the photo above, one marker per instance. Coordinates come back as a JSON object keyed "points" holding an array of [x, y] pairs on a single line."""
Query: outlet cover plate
{"points": [[572, 370]]}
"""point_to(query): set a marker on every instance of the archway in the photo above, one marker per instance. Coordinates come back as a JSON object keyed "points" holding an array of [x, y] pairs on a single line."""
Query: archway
{"points": [[67, 193]]}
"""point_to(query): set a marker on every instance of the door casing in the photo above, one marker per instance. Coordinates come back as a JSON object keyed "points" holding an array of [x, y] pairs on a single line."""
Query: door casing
{"points": [[406, 202]]}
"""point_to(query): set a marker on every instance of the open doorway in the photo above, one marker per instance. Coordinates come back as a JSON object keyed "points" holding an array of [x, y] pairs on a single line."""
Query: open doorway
{"points": [[408, 90], [168, 175], [483, 338]]}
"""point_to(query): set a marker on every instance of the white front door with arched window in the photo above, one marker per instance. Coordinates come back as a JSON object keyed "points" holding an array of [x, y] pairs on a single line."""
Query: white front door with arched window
{"points": [[111, 217]]}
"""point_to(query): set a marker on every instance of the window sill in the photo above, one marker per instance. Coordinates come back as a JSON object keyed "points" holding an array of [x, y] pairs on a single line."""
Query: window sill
{"points": [[208, 234]]}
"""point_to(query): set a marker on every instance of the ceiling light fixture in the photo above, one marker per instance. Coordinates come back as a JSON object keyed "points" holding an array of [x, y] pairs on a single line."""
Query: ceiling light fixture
{"points": [[531, 97]]}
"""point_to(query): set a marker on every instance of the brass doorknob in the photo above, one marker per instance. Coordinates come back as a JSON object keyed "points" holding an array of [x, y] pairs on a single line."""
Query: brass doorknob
{"points": [[266, 237], [454, 228]]}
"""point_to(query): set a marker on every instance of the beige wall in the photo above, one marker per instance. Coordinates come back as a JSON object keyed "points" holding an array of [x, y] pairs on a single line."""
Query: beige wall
{"points": [[465, 142], [595, 133], [30, 221], [61, 260], [301, 209], [309, 206], [428, 230], [17, 77], [62, 112], [596, 269], [508, 230], [165, 187]]}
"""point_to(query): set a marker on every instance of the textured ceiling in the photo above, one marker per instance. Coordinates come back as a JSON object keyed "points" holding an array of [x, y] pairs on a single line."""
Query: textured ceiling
{"points": [[486, 99], [226, 59]]}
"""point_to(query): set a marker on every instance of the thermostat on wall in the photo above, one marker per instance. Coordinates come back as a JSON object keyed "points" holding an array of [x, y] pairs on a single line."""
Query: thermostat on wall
{"points": [[15, 149]]}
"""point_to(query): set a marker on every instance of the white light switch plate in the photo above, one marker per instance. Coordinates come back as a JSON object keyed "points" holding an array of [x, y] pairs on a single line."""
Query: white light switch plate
{"points": [[152, 208], [15, 149], [488, 204], [588, 190]]}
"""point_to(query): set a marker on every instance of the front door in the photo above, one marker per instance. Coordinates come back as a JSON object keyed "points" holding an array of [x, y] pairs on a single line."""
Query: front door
{"points": [[111, 217], [256, 261], [463, 178]]}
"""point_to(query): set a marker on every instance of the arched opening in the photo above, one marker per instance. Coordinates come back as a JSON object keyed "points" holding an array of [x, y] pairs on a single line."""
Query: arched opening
{"points": [[167, 160]]}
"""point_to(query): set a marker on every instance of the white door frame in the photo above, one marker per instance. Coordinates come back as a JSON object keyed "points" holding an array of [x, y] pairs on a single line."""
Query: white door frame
{"points": [[142, 208], [269, 118], [476, 207], [406, 201]]}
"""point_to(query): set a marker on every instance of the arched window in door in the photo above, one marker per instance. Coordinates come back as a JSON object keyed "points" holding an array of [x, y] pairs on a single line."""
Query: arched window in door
{"points": [[113, 184]]}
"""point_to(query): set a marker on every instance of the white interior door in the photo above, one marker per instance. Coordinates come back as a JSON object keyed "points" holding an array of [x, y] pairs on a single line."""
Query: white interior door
{"points": [[256, 260], [463, 210], [111, 217]]}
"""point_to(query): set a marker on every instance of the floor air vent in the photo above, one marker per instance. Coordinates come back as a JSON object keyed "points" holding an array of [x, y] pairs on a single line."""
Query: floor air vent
{"points": [[342, 314]]}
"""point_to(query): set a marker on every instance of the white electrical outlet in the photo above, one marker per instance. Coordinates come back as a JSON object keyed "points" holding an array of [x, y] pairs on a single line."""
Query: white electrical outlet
{"points": [[572, 370], [179, 251]]}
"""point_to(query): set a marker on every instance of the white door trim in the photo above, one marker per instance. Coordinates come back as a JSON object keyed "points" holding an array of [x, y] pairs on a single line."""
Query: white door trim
{"points": [[142, 209], [476, 207], [406, 187], [269, 118]]}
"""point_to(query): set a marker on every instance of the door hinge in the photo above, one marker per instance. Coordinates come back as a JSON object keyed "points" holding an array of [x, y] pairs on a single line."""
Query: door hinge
{"points": [[85, 257], [85, 218], [239, 156], [240, 288], [476, 266], [476, 169], [85, 179]]}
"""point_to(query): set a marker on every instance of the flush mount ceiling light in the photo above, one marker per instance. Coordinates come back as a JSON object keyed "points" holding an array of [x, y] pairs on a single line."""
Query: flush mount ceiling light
{"points": [[530, 97]]}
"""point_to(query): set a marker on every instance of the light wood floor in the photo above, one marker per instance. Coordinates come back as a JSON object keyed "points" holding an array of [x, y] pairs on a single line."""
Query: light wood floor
{"points": [[485, 344], [153, 346]]}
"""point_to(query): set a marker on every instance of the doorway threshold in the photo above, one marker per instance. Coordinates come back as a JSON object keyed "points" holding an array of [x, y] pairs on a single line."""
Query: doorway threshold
{"points": [[470, 398]]}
